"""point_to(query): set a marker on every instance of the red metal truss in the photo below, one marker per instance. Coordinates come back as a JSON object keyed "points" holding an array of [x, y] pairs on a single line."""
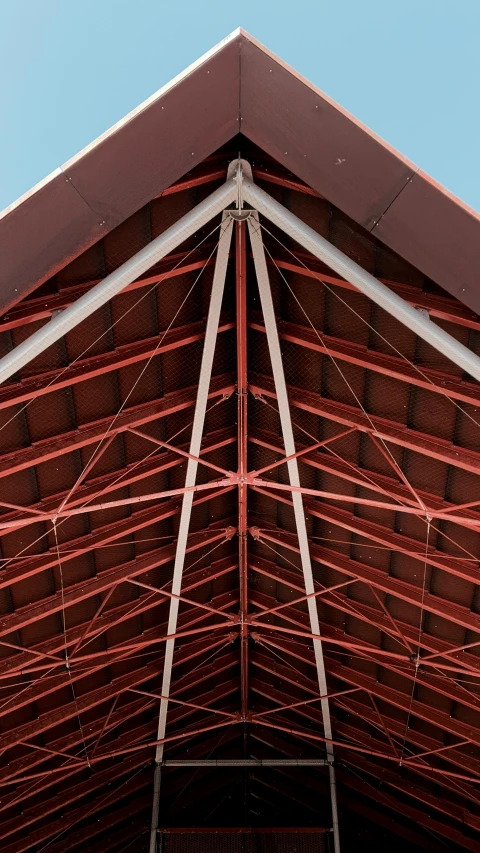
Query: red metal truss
{"points": [[39, 308], [457, 566], [434, 824], [90, 733], [87, 736], [388, 461], [95, 826], [86, 664], [355, 734], [98, 486], [414, 792], [404, 634], [47, 652], [172, 403], [332, 463], [440, 307], [216, 170], [340, 497], [97, 365], [415, 815], [436, 381], [72, 794], [302, 792], [374, 577], [460, 760], [361, 682], [108, 578], [437, 681], [242, 391], [388, 431]]}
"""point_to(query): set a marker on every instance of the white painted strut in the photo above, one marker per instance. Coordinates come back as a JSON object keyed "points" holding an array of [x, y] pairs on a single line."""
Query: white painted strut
{"points": [[195, 443], [292, 465], [362, 280], [117, 280]]}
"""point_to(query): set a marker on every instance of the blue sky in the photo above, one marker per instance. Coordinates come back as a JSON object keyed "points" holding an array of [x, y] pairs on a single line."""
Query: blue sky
{"points": [[410, 70]]}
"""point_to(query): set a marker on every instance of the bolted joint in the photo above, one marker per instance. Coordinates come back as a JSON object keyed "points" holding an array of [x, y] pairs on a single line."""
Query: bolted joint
{"points": [[239, 216], [230, 532]]}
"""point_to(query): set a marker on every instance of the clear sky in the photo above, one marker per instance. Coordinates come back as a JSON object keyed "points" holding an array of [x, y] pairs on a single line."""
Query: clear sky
{"points": [[409, 69]]}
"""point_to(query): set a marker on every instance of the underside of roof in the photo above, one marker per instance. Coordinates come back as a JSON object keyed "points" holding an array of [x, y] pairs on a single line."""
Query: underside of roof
{"points": [[95, 449]]}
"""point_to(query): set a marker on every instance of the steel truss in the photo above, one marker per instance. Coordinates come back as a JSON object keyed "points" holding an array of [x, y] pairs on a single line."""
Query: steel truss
{"points": [[243, 615]]}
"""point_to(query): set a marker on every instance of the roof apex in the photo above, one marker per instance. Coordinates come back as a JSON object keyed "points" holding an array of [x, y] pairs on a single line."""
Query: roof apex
{"points": [[238, 85]]}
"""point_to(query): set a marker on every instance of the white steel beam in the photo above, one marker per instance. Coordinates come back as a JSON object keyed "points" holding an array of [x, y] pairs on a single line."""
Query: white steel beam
{"points": [[362, 280], [115, 282], [292, 465], [195, 443]]}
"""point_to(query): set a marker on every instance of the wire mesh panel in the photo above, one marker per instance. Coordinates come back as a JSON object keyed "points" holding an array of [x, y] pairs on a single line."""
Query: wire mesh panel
{"points": [[245, 841]]}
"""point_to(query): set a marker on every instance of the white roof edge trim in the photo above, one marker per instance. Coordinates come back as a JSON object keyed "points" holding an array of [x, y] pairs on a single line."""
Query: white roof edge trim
{"points": [[119, 124]]}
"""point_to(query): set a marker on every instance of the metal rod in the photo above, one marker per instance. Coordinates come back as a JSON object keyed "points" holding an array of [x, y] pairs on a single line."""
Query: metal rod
{"points": [[297, 500], [245, 762], [115, 282], [187, 501], [242, 388], [242, 441], [360, 278]]}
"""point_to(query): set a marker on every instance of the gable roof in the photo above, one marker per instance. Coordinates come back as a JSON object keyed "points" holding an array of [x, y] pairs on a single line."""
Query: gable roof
{"points": [[79, 423], [239, 86]]}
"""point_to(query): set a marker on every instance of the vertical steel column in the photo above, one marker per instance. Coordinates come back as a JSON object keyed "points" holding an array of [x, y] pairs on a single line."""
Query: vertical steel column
{"points": [[195, 443], [292, 464], [242, 391], [241, 301]]}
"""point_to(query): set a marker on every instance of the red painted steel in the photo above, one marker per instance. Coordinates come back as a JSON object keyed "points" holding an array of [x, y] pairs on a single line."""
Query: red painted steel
{"points": [[441, 307], [242, 391], [43, 451], [151, 465], [88, 368], [359, 475], [397, 621], [373, 617], [436, 381], [386, 430], [341, 497], [105, 580], [40, 308], [116, 615], [460, 567], [379, 579]]}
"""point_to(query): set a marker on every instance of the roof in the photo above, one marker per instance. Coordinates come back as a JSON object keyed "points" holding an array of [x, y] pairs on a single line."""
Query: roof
{"points": [[202, 109], [385, 426]]}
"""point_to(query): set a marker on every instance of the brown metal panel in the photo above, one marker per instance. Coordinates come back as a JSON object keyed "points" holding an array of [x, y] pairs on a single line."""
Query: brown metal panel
{"points": [[436, 233], [118, 174], [162, 142], [307, 133], [41, 234]]}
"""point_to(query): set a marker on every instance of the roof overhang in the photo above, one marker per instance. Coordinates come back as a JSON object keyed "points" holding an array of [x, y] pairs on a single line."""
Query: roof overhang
{"points": [[239, 86]]}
